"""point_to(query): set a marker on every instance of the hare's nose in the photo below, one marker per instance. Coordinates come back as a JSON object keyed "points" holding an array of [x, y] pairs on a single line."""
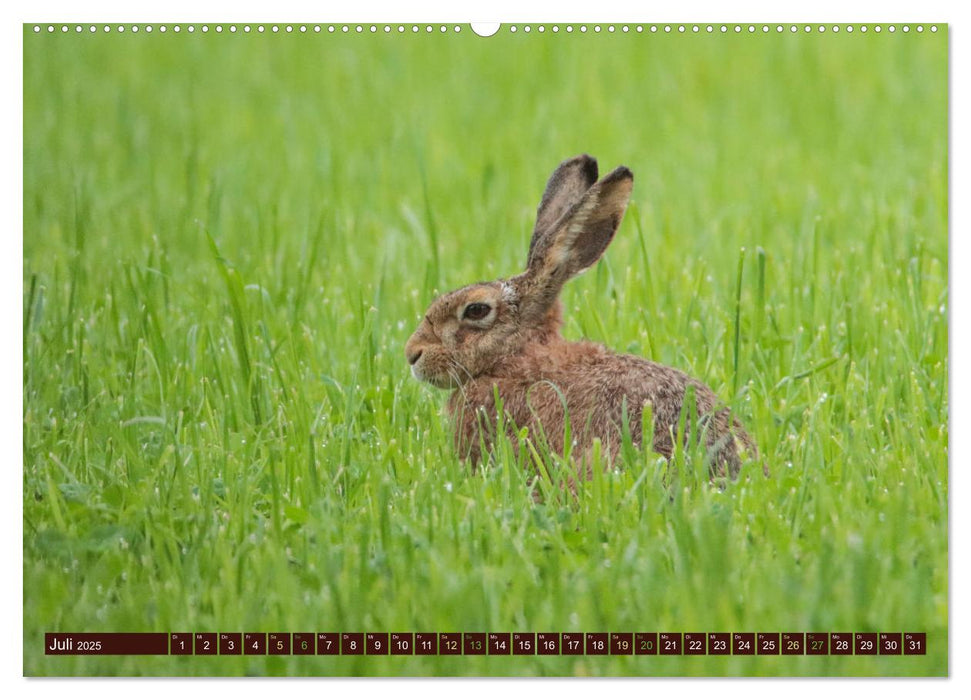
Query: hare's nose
{"points": [[413, 357]]}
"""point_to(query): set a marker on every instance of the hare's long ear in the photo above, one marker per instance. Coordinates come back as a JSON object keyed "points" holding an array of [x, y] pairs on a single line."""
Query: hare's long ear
{"points": [[576, 242], [564, 189]]}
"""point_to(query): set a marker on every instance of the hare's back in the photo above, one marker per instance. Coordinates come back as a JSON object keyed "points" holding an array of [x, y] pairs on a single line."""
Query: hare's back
{"points": [[636, 381]]}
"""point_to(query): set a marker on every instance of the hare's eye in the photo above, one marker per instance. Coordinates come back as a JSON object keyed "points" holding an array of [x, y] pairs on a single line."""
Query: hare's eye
{"points": [[476, 311]]}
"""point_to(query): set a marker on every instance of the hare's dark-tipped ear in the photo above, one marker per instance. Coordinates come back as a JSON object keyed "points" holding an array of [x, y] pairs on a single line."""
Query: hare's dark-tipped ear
{"points": [[568, 183], [577, 240]]}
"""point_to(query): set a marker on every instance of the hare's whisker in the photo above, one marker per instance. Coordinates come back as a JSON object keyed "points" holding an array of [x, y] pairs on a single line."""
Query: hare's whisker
{"points": [[462, 367]]}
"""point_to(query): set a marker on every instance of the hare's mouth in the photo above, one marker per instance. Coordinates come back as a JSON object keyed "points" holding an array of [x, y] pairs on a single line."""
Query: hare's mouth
{"points": [[446, 381]]}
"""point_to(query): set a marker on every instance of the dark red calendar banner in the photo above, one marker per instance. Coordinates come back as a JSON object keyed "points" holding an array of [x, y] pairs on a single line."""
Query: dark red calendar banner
{"points": [[94, 643], [511, 644]]}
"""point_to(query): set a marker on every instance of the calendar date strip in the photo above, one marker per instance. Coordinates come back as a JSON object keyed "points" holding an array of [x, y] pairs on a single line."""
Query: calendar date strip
{"points": [[486, 643]]}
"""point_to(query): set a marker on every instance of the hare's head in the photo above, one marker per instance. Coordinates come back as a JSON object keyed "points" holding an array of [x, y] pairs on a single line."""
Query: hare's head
{"points": [[469, 332]]}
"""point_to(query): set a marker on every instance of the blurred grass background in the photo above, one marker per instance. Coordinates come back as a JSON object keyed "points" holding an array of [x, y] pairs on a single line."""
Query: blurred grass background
{"points": [[228, 239]]}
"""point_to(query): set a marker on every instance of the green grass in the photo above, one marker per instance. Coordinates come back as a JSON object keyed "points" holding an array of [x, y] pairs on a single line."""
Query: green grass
{"points": [[229, 238]]}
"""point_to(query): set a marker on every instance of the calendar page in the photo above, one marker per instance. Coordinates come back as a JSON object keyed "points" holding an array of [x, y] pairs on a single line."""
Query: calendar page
{"points": [[551, 349]]}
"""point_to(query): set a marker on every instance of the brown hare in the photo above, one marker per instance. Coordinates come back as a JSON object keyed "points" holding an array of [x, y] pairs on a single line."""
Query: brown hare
{"points": [[503, 339]]}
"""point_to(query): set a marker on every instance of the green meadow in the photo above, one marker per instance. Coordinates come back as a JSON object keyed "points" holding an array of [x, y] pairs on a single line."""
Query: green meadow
{"points": [[228, 238]]}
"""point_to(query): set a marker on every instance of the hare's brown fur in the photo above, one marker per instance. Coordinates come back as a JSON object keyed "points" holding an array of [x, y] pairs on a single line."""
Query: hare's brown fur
{"points": [[503, 339], [551, 378]]}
